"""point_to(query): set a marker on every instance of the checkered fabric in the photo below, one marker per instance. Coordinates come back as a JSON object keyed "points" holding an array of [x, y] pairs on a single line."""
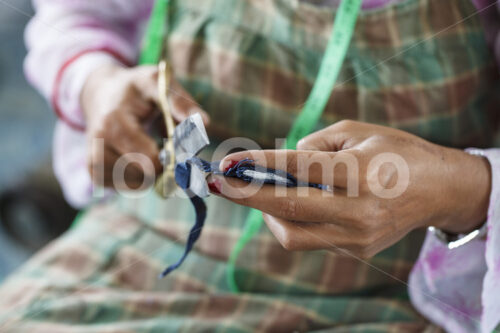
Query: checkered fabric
{"points": [[423, 66]]}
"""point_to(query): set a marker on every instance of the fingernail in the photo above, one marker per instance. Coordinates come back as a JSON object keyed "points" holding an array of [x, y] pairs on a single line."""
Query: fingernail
{"points": [[228, 165], [215, 186]]}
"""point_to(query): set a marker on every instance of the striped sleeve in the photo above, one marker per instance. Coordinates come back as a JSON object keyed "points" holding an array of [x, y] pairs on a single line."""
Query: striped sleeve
{"points": [[66, 40]]}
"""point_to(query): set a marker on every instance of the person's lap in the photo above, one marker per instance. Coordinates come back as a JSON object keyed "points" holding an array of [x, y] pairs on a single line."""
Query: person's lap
{"points": [[102, 276]]}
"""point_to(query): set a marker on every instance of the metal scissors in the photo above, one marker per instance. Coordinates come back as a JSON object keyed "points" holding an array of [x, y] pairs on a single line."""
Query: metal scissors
{"points": [[182, 143]]}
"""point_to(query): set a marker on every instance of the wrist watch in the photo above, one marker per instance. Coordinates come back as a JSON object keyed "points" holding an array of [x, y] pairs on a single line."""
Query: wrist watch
{"points": [[453, 241]]}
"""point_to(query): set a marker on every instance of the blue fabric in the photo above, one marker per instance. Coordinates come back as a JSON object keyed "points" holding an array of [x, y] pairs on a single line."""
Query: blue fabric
{"points": [[244, 170], [266, 174], [182, 177]]}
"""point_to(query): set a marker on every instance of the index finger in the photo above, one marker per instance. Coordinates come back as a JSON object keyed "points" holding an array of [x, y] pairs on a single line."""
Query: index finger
{"points": [[306, 166]]}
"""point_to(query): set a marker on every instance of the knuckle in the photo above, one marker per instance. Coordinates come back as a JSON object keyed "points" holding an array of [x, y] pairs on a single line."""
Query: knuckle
{"points": [[344, 124], [303, 144], [378, 138]]}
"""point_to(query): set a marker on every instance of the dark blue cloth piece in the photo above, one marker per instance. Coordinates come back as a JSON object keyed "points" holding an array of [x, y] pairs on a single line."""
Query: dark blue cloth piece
{"points": [[182, 177], [247, 171], [244, 170], [266, 175]]}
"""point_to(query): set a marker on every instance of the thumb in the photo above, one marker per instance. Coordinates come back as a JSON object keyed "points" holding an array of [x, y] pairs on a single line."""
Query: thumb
{"points": [[323, 140]]}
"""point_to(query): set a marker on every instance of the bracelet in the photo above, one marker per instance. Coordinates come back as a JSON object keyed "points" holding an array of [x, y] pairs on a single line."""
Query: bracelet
{"points": [[452, 241]]}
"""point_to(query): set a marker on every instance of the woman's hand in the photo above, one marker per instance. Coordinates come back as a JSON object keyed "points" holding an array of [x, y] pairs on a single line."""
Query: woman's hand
{"points": [[117, 103], [384, 183]]}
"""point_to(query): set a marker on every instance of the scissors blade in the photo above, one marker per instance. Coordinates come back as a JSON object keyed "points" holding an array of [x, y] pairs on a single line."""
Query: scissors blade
{"points": [[190, 138]]}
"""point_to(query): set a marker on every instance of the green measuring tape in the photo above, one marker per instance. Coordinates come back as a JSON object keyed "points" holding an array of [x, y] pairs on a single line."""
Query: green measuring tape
{"points": [[310, 115], [155, 34], [306, 121]]}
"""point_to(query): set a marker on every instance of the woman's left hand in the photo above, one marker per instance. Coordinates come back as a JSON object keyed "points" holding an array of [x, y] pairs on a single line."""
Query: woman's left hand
{"points": [[384, 183]]}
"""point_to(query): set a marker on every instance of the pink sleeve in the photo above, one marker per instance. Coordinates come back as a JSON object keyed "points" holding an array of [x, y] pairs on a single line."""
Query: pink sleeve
{"points": [[459, 289], [64, 31], [66, 41]]}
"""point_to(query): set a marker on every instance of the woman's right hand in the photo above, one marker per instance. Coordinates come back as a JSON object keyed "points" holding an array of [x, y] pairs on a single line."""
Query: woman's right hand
{"points": [[117, 103]]}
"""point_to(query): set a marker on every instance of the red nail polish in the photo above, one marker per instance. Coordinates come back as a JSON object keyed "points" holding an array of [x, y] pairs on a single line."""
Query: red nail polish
{"points": [[232, 164], [215, 186]]}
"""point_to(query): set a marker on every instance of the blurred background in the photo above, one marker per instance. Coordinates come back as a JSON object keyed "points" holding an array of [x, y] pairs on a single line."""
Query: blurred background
{"points": [[32, 210]]}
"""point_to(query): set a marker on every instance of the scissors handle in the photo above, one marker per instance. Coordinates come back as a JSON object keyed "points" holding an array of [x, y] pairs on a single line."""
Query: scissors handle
{"points": [[164, 78], [166, 185]]}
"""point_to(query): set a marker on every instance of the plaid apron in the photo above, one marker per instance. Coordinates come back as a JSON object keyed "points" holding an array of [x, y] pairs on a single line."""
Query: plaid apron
{"points": [[422, 66]]}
